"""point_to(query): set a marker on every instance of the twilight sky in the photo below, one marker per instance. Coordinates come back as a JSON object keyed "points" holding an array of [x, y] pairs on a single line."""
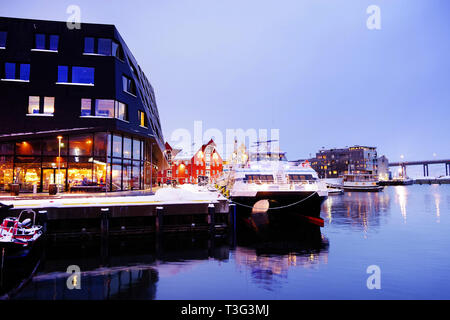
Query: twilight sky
{"points": [[310, 68]]}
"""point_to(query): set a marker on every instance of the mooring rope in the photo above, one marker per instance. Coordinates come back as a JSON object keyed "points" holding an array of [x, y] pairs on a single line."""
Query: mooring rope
{"points": [[276, 208]]}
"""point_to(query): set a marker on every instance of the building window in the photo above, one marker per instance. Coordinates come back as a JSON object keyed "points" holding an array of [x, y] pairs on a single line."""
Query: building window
{"points": [[79, 75], [33, 105], [142, 119], [128, 85], [88, 45], [63, 73], [54, 42], [12, 70], [105, 47], [49, 105], [3, 39], [117, 51], [117, 146], [46, 42], [80, 145], [136, 149], [104, 108], [121, 111], [83, 75], [169, 173], [39, 42], [86, 107]]}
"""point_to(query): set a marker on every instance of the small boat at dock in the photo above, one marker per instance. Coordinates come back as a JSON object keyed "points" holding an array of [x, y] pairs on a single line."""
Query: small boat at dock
{"points": [[16, 233], [361, 182]]}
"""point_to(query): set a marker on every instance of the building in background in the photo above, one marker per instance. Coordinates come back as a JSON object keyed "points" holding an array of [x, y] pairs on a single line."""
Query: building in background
{"points": [[238, 157], [77, 110], [383, 168], [333, 163], [205, 165]]}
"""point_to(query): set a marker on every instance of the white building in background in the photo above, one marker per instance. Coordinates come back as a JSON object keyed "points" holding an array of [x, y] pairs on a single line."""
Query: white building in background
{"points": [[383, 168]]}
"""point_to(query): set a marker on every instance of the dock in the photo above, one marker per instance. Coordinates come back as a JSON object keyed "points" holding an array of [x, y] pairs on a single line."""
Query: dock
{"points": [[168, 211]]}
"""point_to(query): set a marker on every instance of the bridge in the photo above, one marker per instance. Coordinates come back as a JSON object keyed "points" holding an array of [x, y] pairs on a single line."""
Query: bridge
{"points": [[425, 163]]}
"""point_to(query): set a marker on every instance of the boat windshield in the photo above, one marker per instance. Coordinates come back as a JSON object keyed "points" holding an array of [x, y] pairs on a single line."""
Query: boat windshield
{"points": [[356, 178], [300, 177], [258, 178], [268, 156]]}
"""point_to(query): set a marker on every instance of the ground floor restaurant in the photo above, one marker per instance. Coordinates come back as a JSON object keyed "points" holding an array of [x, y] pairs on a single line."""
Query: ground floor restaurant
{"points": [[99, 161]]}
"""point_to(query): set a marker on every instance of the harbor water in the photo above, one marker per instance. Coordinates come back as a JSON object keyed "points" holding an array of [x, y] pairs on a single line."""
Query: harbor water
{"points": [[404, 231]]}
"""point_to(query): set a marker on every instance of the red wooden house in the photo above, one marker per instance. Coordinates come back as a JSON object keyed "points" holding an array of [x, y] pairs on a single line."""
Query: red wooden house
{"points": [[184, 167]]}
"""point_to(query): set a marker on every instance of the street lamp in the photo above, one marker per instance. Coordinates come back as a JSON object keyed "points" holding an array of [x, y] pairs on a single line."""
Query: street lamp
{"points": [[59, 159]]}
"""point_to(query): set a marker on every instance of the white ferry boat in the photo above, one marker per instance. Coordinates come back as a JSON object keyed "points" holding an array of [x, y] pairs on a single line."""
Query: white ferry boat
{"points": [[268, 189], [360, 182]]}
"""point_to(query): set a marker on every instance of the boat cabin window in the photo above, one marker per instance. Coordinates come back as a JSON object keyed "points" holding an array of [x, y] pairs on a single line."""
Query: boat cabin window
{"points": [[356, 178], [10, 224], [258, 178], [300, 177]]}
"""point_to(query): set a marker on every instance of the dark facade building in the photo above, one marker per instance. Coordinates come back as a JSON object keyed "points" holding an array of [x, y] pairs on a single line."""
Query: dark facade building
{"points": [[77, 110], [334, 163]]}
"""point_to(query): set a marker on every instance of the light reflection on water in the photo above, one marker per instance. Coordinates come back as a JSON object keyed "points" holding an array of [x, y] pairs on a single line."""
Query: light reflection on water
{"points": [[404, 230]]}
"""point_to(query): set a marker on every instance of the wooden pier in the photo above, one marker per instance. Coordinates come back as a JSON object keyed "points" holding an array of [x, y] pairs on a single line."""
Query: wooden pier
{"points": [[86, 218]]}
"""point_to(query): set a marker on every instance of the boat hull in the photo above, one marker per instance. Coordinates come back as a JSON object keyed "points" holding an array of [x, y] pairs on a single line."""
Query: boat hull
{"points": [[286, 210], [396, 182], [363, 188]]}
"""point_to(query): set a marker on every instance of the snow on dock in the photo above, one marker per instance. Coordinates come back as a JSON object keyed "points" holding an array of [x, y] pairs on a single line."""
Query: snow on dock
{"points": [[185, 194]]}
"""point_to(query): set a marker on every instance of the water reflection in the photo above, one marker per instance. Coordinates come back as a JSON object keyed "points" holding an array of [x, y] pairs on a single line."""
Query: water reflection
{"points": [[437, 202], [130, 269], [360, 210], [269, 261], [401, 198], [263, 267]]}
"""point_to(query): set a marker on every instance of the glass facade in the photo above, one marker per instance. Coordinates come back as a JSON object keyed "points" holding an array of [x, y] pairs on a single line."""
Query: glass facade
{"points": [[105, 161]]}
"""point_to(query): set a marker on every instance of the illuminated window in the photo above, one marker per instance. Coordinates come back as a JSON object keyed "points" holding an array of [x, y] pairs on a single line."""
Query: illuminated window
{"points": [[33, 105], [121, 111], [142, 119], [49, 105], [80, 145], [104, 108], [86, 107]]}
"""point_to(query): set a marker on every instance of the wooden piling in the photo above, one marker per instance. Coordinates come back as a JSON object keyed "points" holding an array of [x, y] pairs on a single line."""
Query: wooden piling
{"points": [[211, 218], [159, 219], [104, 222], [232, 223]]}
